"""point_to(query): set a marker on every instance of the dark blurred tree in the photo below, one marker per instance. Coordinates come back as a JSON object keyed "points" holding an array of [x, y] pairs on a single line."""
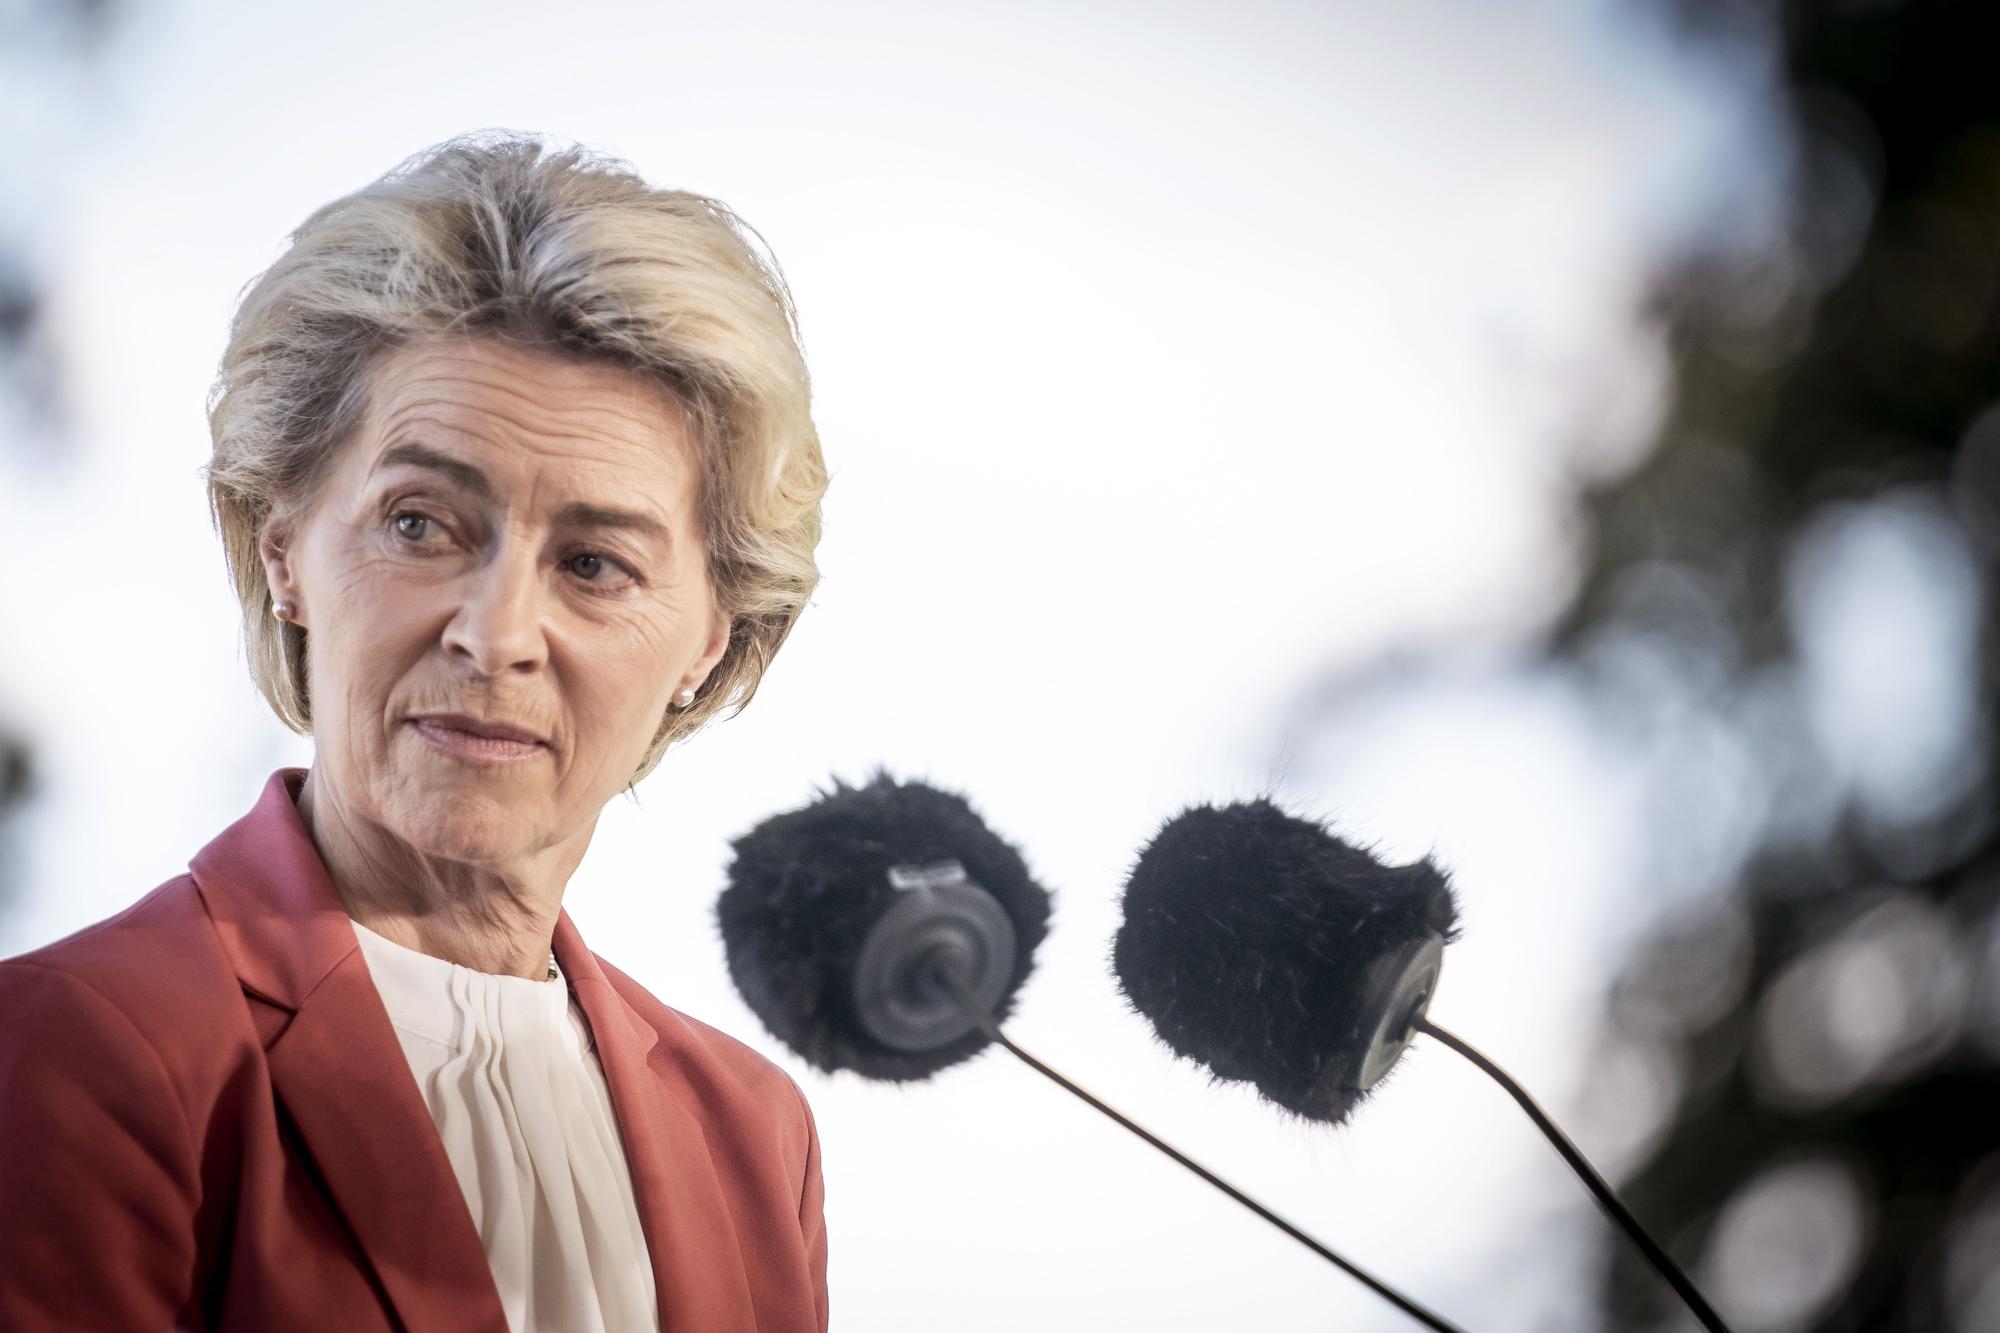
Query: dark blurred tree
{"points": [[49, 49], [17, 784], [1831, 1149]]}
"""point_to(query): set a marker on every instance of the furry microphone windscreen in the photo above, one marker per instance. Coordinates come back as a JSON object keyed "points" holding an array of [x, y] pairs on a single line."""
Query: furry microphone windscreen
{"points": [[1255, 941], [807, 886]]}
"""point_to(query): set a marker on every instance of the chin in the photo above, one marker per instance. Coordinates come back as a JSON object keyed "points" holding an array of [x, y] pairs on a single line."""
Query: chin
{"points": [[471, 828], [465, 817]]}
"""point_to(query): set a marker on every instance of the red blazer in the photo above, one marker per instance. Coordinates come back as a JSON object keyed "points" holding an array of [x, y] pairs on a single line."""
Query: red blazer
{"points": [[206, 1122]]}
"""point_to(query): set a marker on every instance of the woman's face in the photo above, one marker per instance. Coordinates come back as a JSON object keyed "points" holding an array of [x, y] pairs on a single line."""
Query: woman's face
{"points": [[509, 536]]}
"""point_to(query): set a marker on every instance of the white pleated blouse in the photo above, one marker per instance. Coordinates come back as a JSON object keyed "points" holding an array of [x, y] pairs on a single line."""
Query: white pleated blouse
{"points": [[509, 1072]]}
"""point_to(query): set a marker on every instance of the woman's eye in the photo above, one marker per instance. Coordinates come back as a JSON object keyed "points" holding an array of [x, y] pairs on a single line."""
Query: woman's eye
{"points": [[417, 527], [591, 567]]}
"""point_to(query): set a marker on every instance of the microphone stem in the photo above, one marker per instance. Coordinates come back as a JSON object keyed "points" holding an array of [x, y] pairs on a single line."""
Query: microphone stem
{"points": [[1658, 1257], [978, 1014]]}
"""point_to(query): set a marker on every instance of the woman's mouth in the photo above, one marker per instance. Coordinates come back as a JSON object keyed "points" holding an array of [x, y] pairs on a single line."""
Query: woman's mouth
{"points": [[461, 743]]}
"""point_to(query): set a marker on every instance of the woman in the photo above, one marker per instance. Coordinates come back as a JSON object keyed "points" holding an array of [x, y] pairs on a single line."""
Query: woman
{"points": [[516, 478]]}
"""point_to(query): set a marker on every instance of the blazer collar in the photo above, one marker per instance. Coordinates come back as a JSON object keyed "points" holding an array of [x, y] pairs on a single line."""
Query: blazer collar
{"points": [[273, 905], [340, 1071], [285, 929]]}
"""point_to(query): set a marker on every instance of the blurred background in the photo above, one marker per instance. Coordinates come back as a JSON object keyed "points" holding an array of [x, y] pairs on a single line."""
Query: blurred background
{"points": [[1559, 436]]}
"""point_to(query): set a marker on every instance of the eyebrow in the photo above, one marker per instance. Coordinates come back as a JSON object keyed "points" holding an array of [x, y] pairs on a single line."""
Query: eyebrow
{"points": [[579, 513]]}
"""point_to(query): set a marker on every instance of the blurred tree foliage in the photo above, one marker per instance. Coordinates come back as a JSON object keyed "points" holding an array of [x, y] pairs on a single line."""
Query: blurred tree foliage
{"points": [[49, 53], [1827, 1030]]}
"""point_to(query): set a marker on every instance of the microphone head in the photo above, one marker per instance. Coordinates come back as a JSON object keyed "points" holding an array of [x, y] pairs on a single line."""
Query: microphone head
{"points": [[837, 916], [1264, 947]]}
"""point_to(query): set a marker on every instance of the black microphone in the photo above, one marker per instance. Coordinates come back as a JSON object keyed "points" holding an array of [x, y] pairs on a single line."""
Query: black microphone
{"points": [[836, 911], [1261, 945], [886, 929]]}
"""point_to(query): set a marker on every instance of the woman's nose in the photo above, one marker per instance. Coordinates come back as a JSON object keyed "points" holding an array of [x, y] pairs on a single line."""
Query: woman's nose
{"points": [[498, 624]]}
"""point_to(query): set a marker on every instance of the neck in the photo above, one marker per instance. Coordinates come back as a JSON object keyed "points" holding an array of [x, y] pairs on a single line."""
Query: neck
{"points": [[497, 918]]}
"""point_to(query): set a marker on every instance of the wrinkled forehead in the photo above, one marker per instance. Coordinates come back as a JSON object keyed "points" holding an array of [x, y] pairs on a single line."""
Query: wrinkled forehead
{"points": [[498, 420]]}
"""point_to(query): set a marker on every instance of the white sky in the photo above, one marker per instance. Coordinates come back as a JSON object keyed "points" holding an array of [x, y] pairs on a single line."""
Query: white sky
{"points": [[1165, 355]]}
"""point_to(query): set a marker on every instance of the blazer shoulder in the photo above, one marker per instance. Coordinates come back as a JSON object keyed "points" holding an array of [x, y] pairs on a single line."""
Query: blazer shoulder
{"points": [[158, 962], [170, 917]]}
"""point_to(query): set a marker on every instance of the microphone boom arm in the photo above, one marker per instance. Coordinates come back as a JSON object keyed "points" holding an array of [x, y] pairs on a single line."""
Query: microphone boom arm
{"points": [[1599, 1189], [949, 983]]}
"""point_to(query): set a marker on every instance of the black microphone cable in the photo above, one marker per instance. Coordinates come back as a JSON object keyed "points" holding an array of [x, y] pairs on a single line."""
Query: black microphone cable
{"points": [[942, 977], [1599, 1188]]}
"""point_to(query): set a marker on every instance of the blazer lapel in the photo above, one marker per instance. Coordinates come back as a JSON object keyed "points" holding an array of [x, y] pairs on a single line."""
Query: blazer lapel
{"points": [[338, 1069], [690, 1232]]}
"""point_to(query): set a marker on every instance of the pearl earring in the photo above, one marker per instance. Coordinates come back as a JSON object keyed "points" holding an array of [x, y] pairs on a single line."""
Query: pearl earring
{"points": [[283, 610], [684, 698]]}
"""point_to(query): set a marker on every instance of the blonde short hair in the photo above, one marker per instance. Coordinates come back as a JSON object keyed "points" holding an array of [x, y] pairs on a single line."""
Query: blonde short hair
{"points": [[494, 232]]}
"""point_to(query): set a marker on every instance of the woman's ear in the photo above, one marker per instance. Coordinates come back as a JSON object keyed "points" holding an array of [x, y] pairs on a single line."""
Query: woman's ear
{"points": [[273, 548], [712, 651]]}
